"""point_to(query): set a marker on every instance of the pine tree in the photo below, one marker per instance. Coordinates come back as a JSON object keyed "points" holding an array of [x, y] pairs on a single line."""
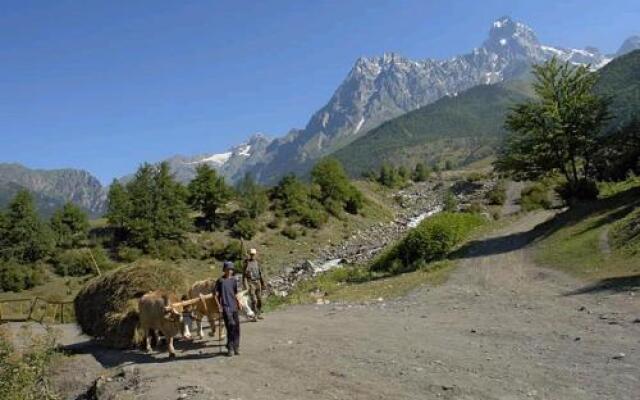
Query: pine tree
{"points": [[70, 226], [141, 217], [208, 192], [335, 187], [389, 176], [557, 132], [252, 196], [28, 239], [421, 173], [403, 173], [118, 205], [171, 213]]}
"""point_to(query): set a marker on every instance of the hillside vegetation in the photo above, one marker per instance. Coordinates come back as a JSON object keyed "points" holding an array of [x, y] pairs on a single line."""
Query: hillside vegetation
{"points": [[460, 129], [620, 82]]}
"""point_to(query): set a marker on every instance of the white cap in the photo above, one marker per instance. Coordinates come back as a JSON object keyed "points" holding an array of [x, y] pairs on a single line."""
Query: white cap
{"points": [[253, 251]]}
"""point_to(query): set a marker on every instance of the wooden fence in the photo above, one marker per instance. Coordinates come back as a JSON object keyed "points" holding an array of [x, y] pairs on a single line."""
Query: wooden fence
{"points": [[36, 309]]}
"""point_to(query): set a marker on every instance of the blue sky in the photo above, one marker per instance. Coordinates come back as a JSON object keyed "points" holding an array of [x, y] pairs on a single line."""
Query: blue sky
{"points": [[106, 85]]}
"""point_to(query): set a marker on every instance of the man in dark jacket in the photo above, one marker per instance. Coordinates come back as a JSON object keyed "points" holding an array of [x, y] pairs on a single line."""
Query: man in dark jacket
{"points": [[226, 290]]}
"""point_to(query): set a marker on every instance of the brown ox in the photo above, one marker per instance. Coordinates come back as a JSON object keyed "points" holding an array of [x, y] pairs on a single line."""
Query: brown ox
{"points": [[210, 307], [157, 314]]}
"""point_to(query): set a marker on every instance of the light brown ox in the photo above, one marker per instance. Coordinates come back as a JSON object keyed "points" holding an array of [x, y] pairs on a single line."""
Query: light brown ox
{"points": [[210, 307], [157, 314]]}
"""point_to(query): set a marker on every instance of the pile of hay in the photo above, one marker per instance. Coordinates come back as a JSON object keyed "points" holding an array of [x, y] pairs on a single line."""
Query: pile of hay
{"points": [[107, 307]]}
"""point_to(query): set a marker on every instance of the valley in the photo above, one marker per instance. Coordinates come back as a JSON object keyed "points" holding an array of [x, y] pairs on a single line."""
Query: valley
{"points": [[549, 337], [455, 227]]}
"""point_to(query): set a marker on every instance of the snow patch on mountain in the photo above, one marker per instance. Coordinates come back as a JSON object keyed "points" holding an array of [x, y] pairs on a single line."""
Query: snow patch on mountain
{"points": [[214, 158], [359, 125]]}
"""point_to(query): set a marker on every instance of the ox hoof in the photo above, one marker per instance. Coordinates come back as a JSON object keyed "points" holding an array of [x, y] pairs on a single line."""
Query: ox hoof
{"points": [[172, 355]]}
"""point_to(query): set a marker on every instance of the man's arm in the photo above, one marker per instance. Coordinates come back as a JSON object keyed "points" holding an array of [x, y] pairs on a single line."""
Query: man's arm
{"points": [[262, 285], [216, 296], [235, 290], [245, 280]]}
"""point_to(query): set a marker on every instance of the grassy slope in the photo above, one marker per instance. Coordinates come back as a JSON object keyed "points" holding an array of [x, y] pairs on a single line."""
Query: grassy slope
{"points": [[464, 128], [579, 239]]}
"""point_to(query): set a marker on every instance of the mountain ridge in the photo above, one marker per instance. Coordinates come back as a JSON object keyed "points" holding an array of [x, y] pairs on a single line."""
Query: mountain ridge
{"points": [[54, 187]]}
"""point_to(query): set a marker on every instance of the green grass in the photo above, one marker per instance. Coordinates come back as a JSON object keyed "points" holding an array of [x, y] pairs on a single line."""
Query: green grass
{"points": [[335, 287], [23, 370], [579, 240]]}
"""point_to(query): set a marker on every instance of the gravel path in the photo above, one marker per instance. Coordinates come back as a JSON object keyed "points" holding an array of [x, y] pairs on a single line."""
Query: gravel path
{"points": [[499, 328]]}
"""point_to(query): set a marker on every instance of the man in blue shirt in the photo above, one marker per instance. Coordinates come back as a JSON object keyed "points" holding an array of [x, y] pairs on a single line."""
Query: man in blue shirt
{"points": [[226, 290]]}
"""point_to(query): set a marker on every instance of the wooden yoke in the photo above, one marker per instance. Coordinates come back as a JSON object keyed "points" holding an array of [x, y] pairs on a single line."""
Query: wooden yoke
{"points": [[189, 302]]}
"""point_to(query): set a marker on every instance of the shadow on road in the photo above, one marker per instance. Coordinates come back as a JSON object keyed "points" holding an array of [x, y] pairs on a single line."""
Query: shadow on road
{"points": [[185, 350], [614, 285], [612, 209]]}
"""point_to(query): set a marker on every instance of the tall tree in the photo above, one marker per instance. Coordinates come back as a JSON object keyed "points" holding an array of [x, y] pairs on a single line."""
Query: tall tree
{"points": [[557, 132], [28, 239], [141, 217], [70, 226], [208, 192], [335, 187], [118, 205], [171, 213], [150, 208], [421, 173], [252, 196]]}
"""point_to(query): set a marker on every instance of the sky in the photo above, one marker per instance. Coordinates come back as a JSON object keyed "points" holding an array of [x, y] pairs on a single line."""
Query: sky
{"points": [[107, 85]]}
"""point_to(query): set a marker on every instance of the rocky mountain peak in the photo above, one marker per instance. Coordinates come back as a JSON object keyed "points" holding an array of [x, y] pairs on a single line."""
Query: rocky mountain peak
{"points": [[512, 39]]}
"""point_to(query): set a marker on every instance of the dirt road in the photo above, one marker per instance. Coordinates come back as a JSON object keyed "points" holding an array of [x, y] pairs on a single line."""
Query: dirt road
{"points": [[500, 328]]}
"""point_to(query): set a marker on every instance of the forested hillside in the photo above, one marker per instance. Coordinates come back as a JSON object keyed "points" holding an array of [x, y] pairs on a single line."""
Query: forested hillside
{"points": [[458, 129], [620, 81]]}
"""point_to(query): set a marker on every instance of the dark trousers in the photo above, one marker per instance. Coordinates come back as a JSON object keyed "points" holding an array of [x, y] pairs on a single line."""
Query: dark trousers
{"points": [[232, 323]]}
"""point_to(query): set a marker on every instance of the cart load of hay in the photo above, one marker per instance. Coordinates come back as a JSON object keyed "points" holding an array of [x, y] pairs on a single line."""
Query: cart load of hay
{"points": [[107, 307]]}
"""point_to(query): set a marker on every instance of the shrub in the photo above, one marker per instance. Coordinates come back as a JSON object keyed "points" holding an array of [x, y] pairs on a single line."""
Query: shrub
{"points": [[23, 372], [354, 203], [421, 173], [535, 196], [474, 208], [450, 202], [584, 190], [79, 262], [313, 217], [475, 177], [433, 239], [274, 223], [231, 251], [290, 232], [128, 254], [246, 229], [14, 277], [498, 194]]}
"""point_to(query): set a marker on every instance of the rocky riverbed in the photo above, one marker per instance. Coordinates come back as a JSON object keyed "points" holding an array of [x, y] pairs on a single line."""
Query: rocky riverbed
{"points": [[415, 203]]}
